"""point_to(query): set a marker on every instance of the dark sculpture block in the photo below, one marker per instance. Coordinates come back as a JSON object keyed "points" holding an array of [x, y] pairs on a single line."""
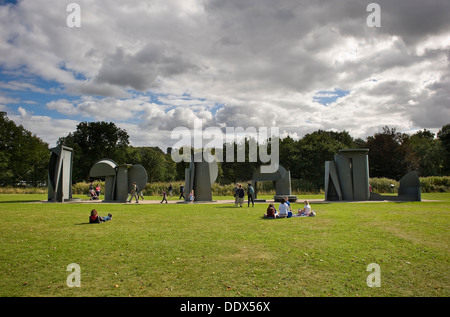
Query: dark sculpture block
{"points": [[60, 174], [282, 180], [347, 177], [199, 177]]}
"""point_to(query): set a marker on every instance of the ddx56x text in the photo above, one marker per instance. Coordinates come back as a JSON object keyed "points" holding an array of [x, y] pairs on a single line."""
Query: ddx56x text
{"points": [[247, 306]]}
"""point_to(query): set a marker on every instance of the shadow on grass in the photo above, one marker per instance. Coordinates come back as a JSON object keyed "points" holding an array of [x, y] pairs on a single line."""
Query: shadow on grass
{"points": [[19, 201]]}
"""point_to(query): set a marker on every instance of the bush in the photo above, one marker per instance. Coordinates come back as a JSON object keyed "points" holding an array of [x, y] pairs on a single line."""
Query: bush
{"points": [[299, 186], [431, 184], [383, 185], [434, 184], [83, 187], [303, 186], [23, 190]]}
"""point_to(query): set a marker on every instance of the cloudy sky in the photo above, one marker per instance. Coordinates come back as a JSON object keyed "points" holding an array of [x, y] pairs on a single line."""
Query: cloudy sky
{"points": [[152, 66]]}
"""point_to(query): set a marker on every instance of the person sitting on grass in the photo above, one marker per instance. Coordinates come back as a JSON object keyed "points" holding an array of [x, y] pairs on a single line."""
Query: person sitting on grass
{"points": [[286, 199], [95, 218], [92, 194], [271, 212], [306, 211], [283, 210]]}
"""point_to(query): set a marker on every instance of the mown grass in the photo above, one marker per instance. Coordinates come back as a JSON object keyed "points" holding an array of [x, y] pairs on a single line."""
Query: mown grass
{"points": [[219, 250]]}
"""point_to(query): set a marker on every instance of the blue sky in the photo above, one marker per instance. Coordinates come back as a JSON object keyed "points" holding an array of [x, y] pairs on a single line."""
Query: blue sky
{"points": [[153, 66], [328, 97]]}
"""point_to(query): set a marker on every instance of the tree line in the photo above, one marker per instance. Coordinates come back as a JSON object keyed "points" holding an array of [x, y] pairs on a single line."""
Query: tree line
{"points": [[24, 157]]}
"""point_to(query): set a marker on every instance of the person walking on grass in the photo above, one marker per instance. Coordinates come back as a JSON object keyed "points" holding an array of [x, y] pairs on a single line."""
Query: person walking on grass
{"points": [[240, 196], [182, 191], [133, 193], [139, 192], [250, 194], [164, 194]]}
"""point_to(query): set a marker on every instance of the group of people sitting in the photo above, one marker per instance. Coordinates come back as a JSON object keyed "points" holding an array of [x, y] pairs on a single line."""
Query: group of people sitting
{"points": [[94, 192], [285, 210]]}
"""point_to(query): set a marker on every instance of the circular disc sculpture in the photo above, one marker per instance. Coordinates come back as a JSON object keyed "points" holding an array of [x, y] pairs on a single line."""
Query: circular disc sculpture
{"points": [[119, 178]]}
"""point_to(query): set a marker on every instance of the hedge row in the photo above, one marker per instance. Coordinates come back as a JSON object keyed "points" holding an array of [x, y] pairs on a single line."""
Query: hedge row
{"points": [[299, 186], [430, 184]]}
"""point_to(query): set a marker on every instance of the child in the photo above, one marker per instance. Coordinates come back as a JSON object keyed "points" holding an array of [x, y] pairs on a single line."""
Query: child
{"points": [[191, 197], [95, 218]]}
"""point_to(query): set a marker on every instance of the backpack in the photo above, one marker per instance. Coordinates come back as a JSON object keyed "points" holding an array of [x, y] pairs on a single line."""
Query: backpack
{"points": [[251, 191]]}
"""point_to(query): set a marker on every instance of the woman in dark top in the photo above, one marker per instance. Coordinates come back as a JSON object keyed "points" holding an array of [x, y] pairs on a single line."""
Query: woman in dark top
{"points": [[95, 218], [271, 212]]}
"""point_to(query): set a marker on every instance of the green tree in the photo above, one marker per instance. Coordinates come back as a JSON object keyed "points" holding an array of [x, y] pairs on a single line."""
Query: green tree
{"points": [[387, 154], [159, 165], [289, 155], [23, 156], [238, 169], [426, 154], [316, 148], [444, 136], [93, 141]]}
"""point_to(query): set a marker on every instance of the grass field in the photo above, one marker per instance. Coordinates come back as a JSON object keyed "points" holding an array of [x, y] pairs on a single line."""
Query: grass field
{"points": [[220, 250]]}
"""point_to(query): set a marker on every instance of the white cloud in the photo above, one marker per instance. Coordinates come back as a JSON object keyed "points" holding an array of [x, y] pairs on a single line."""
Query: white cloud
{"points": [[155, 65]]}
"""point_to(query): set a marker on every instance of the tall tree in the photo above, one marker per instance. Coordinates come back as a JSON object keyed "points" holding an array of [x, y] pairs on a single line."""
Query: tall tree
{"points": [[316, 148], [444, 136], [387, 153], [159, 165], [426, 154], [23, 156], [93, 141]]}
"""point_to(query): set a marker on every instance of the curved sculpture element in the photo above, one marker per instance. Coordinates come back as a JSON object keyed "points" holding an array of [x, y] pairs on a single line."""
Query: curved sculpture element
{"points": [[106, 169], [410, 186], [409, 189], [282, 180], [118, 178], [138, 174]]}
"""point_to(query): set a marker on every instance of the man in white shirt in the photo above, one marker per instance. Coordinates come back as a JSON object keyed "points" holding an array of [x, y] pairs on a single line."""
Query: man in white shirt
{"points": [[283, 209]]}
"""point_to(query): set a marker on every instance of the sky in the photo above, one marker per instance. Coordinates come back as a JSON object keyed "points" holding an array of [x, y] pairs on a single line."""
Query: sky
{"points": [[153, 66]]}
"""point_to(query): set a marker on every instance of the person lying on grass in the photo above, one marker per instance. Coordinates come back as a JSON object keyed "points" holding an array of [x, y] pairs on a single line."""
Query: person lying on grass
{"points": [[95, 218]]}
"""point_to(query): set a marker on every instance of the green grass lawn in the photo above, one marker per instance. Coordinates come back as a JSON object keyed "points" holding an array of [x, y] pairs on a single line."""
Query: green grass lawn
{"points": [[219, 250]]}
